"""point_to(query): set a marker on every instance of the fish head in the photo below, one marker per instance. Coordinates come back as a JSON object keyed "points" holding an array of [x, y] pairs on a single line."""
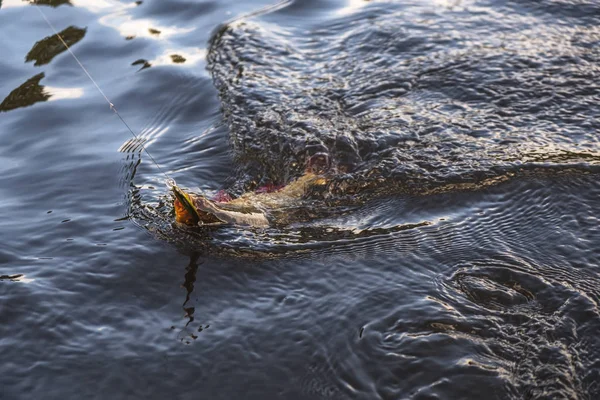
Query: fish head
{"points": [[187, 209]]}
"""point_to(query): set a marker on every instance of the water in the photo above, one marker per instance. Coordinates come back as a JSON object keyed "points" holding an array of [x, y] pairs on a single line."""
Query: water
{"points": [[453, 254]]}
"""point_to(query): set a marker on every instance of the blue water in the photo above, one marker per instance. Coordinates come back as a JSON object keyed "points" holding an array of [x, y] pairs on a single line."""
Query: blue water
{"points": [[455, 253]]}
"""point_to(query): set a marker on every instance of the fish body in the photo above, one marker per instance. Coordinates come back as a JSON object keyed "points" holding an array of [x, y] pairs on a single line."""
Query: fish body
{"points": [[250, 209]]}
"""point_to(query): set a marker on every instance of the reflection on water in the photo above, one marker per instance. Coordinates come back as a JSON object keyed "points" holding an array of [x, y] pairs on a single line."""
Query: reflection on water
{"points": [[58, 93], [177, 59], [144, 63], [191, 57], [46, 49], [16, 278], [25, 95], [43, 52], [129, 27], [352, 6], [485, 285], [51, 3], [10, 277]]}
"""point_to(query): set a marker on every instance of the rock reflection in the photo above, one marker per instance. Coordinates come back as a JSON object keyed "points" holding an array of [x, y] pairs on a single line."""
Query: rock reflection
{"points": [[177, 59], [27, 94], [183, 56], [46, 49], [51, 3], [144, 63], [10, 277]]}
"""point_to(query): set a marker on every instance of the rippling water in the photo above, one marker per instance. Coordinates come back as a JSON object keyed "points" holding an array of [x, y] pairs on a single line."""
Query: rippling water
{"points": [[453, 254]]}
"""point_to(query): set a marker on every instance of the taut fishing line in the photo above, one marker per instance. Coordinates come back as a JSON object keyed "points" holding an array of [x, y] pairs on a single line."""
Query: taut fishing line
{"points": [[170, 181]]}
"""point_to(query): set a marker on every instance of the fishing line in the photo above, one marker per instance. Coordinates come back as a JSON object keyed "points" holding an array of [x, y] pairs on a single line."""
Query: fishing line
{"points": [[260, 11], [170, 181]]}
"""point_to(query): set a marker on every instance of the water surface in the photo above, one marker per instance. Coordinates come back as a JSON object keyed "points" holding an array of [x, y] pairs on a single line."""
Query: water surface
{"points": [[453, 254]]}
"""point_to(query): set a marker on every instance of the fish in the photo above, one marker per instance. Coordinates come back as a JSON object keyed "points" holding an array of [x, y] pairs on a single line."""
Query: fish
{"points": [[253, 209]]}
